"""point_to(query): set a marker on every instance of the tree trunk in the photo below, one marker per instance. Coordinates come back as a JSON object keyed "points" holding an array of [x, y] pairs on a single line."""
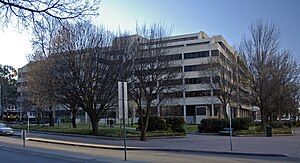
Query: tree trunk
{"points": [[38, 121], [263, 117], [144, 129], [225, 114], [145, 125], [74, 119], [51, 116], [43, 117], [94, 123], [141, 124]]}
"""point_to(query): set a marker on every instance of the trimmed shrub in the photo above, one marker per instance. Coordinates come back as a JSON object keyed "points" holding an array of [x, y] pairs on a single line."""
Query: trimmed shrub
{"points": [[155, 124], [276, 124], [175, 124], [212, 125], [241, 123]]}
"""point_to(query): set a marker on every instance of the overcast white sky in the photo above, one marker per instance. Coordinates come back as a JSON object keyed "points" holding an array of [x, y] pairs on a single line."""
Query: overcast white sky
{"points": [[14, 46], [229, 18]]}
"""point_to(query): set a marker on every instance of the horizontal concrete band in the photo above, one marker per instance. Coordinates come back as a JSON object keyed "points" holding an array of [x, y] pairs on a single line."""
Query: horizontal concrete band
{"points": [[111, 147]]}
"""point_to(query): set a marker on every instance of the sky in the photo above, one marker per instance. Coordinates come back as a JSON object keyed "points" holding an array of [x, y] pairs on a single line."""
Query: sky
{"points": [[229, 18]]}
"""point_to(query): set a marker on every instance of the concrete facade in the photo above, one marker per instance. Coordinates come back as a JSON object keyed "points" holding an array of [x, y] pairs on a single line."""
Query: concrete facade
{"points": [[197, 100]]}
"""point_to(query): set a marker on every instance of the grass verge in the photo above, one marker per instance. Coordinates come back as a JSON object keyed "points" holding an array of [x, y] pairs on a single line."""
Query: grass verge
{"points": [[257, 130], [102, 131]]}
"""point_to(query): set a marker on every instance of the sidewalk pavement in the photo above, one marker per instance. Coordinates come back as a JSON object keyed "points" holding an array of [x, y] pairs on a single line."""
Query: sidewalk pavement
{"points": [[277, 146]]}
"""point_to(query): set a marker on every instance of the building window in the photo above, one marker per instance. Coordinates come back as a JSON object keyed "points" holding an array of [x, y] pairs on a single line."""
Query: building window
{"points": [[170, 57], [173, 95], [202, 80], [198, 93], [196, 44], [196, 54], [190, 110], [201, 110], [215, 53], [200, 67], [172, 111], [172, 82]]}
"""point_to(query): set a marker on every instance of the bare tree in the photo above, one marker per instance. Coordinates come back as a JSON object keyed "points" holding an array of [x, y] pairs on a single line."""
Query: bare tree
{"points": [[152, 70], [271, 69], [40, 85], [27, 12], [220, 75], [40, 89], [85, 73], [285, 74]]}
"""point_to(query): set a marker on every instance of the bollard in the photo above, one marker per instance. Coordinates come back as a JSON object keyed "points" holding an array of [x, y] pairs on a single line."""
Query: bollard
{"points": [[23, 135], [269, 131]]}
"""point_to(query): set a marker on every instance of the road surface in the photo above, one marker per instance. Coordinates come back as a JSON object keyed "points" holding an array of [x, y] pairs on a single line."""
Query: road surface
{"points": [[12, 151]]}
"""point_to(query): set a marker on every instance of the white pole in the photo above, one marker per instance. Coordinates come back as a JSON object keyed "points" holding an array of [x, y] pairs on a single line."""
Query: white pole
{"points": [[228, 110], [123, 107], [122, 87]]}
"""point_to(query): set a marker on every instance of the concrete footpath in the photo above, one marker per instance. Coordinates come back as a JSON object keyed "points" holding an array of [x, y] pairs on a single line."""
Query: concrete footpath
{"points": [[277, 146]]}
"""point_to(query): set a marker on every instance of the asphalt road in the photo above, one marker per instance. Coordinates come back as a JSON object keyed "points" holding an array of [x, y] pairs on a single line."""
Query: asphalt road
{"points": [[288, 145], [12, 151]]}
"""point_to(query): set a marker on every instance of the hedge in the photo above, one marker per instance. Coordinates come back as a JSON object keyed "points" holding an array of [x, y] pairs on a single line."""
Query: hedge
{"points": [[155, 123], [214, 125], [175, 124]]}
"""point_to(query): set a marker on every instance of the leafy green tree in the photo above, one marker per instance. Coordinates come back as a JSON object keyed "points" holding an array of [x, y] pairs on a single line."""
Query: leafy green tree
{"points": [[8, 88]]}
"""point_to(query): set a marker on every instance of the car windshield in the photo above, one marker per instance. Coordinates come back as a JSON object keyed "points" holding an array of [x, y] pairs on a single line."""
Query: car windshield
{"points": [[3, 125]]}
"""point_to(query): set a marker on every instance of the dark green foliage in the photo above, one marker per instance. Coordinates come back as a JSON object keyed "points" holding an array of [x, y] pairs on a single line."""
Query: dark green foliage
{"points": [[241, 123], [216, 125], [295, 124], [65, 120], [175, 124], [212, 125], [276, 124], [156, 124]]}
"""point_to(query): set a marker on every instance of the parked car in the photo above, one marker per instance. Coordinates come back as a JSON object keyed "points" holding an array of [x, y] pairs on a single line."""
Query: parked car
{"points": [[5, 130]]}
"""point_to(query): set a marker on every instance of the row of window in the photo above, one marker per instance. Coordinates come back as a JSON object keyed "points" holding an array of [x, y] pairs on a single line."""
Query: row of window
{"points": [[202, 80], [197, 43], [179, 82], [192, 94], [200, 67], [198, 93], [199, 54]]}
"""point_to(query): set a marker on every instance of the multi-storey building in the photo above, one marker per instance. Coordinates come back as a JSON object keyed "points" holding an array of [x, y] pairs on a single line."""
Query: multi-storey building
{"points": [[199, 56], [207, 64]]}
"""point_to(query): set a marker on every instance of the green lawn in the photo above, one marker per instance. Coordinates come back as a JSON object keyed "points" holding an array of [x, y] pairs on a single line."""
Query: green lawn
{"points": [[257, 130], [190, 128], [85, 129]]}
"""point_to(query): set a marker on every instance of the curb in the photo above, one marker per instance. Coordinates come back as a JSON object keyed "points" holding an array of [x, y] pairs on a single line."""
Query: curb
{"points": [[111, 147]]}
